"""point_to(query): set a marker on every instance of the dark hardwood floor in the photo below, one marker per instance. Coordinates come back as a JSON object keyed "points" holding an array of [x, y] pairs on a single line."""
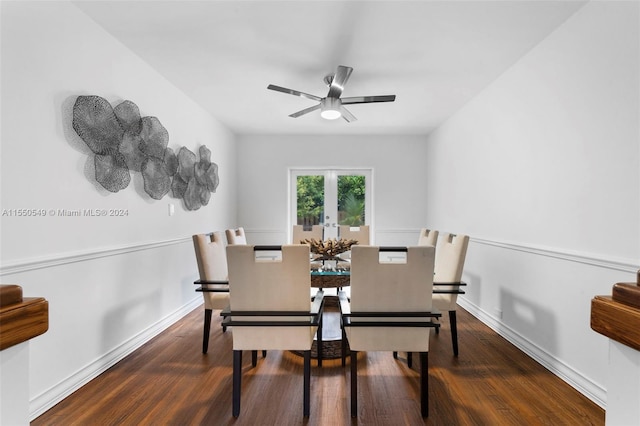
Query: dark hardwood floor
{"points": [[169, 381]]}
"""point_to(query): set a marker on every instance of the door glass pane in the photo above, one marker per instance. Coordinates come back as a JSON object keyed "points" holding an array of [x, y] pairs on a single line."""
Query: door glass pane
{"points": [[310, 197], [351, 200]]}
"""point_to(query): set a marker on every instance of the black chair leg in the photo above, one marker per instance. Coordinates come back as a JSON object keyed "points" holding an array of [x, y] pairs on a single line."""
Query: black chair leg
{"points": [[237, 377], [207, 329], [344, 347], [254, 358], [409, 359], [319, 342], [307, 383], [354, 384], [454, 331], [424, 384], [264, 354], [395, 354]]}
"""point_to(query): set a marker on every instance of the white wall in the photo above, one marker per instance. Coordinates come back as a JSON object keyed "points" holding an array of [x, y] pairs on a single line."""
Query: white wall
{"points": [[398, 174], [111, 282], [542, 169]]}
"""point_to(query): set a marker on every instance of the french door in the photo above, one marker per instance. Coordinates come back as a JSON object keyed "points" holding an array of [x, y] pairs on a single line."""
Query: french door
{"points": [[330, 197]]}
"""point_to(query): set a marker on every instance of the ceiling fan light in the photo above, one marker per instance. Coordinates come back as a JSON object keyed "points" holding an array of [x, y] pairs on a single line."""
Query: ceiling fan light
{"points": [[330, 114], [330, 108]]}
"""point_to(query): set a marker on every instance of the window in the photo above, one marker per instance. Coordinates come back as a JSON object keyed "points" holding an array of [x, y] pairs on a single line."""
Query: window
{"points": [[330, 197]]}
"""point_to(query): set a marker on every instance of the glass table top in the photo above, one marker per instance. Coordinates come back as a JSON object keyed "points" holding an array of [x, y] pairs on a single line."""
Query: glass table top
{"points": [[330, 273]]}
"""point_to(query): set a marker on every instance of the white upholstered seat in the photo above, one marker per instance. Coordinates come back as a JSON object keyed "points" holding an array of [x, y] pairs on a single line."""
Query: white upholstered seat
{"points": [[451, 252], [390, 308], [270, 308], [212, 267]]}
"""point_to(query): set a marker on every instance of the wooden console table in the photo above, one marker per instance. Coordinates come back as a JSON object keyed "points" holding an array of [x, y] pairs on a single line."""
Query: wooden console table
{"points": [[618, 318], [21, 318]]}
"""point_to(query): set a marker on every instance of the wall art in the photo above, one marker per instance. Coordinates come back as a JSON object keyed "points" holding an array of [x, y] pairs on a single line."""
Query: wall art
{"points": [[124, 142]]}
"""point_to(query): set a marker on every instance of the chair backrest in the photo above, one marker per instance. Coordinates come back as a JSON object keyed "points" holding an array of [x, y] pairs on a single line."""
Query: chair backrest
{"points": [[428, 237], [270, 285], [236, 236], [300, 234], [275, 285], [211, 256], [391, 287], [358, 233], [451, 252], [212, 266]]}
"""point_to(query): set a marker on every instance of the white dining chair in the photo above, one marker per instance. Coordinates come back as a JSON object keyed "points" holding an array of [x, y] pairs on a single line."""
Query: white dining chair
{"points": [[301, 234], [270, 309], [427, 237], [211, 257], [389, 309], [451, 252], [236, 236], [358, 233]]}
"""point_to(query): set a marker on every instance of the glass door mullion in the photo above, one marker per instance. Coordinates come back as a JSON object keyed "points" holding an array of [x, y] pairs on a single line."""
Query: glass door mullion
{"points": [[330, 204]]}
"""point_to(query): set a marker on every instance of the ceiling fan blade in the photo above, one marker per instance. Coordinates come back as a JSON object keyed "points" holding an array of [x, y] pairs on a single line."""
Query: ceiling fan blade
{"points": [[346, 114], [304, 111], [339, 80], [367, 99], [293, 92]]}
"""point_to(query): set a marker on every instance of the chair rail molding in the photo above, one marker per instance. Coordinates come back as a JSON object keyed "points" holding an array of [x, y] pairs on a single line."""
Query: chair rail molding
{"points": [[398, 231], [25, 265], [608, 262], [264, 230]]}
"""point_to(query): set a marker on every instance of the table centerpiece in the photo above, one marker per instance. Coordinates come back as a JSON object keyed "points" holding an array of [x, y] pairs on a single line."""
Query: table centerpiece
{"points": [[329, 250]]}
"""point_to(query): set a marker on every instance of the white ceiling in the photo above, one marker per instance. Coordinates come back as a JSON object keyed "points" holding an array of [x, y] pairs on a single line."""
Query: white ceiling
{"points": [[433, 55]]}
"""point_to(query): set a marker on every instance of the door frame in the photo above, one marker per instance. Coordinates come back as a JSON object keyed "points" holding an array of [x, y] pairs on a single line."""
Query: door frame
{"points": [[292, 194]]}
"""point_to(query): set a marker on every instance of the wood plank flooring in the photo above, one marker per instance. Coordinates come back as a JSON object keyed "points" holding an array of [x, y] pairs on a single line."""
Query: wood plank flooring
{"points": [[169, 381]]}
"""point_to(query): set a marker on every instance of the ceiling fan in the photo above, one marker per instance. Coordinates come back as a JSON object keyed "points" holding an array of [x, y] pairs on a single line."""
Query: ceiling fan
{"points": [[332, 105]]}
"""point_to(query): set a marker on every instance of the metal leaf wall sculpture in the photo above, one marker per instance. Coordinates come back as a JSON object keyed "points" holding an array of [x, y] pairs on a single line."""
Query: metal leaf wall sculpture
{"points": [[123, 141]]}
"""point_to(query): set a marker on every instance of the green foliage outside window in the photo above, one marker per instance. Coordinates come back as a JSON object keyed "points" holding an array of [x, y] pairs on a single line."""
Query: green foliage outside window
{"points": [[352, 213], [310, 194], [351, 190]]}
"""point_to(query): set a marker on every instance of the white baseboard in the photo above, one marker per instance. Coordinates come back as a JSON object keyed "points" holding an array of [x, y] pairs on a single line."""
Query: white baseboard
{"points": [[44, 401], [588, 388]]}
